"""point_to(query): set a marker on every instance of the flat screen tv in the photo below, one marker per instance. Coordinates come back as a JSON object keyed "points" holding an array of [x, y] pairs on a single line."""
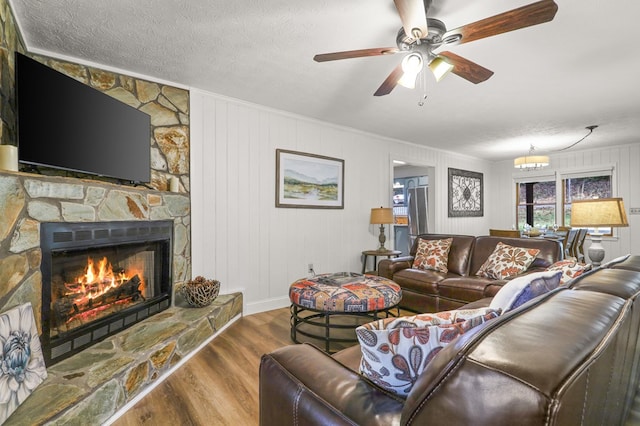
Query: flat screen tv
{"points": [[65, 124]]}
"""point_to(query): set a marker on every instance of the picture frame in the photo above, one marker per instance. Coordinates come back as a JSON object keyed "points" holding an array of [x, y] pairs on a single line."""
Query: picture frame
{"points": [[306, 180], [466, 193]]}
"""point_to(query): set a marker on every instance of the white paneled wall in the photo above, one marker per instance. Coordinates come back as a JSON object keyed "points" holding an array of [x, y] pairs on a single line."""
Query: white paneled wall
{"points": [[243, 240], [626, 162]]}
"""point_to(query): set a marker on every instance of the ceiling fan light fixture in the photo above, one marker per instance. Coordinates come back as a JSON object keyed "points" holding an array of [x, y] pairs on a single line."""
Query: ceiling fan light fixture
{"points": [[411, 66], [440, 68]]}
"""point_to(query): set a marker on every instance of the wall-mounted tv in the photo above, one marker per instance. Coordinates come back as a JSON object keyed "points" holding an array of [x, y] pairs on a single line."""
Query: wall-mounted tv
{"points": [[65, 124]]}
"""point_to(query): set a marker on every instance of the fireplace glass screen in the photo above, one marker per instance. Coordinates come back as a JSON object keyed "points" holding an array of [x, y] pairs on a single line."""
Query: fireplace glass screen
{"points": [[100, 278]]}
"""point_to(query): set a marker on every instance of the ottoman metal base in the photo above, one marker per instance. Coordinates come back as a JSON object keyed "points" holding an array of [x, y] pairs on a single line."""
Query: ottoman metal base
{"points": [[321, 321]]}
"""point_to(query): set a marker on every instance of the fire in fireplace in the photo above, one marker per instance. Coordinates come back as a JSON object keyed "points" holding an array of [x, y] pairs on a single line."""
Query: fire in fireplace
{"points": [[97, 292], [100, 278]]}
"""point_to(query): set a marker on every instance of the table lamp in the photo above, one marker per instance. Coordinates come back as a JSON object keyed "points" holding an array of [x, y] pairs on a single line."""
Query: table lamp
{"points": [[597, 212], [381, 216]]}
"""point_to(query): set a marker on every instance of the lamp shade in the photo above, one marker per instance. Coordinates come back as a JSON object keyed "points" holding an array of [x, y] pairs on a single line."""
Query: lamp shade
{"points": [[382, 215], [439, 67], [598, 212], [411, 66], [531, 162]]}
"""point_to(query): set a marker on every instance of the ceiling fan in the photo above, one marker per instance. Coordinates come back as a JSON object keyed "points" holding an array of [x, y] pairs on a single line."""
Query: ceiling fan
{"points": [[421, 36]]}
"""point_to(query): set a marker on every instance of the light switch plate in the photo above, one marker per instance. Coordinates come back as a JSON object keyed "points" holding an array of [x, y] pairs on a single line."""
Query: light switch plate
{"points": [[634, 210]]}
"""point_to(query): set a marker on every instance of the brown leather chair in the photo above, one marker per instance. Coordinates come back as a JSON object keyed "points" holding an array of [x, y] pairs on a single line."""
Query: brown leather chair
{"points": [[511, 233]]}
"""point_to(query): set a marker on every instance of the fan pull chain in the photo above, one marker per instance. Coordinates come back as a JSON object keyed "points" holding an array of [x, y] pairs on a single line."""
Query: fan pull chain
{"points": [[423, 86]]}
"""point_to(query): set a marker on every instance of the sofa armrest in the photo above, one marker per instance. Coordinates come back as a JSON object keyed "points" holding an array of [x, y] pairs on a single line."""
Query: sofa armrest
{"points": [[300, 384], [388, 267]]}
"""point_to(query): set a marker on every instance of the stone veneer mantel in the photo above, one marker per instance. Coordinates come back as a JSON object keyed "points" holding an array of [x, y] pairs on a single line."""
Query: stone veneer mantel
{"points": [[92, 386], [28, 200]]}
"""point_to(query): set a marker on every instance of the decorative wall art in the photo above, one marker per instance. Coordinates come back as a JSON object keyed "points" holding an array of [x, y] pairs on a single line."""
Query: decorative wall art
{"points": [[466, 194], [309, 181], [22, 366]]}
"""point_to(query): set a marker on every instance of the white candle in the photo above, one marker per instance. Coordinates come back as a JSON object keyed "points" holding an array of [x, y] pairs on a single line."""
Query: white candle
{"points": [[174, 184], [9, 157]]}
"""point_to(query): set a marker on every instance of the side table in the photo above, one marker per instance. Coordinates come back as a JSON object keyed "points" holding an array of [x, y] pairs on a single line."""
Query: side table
{"points": [[376, 254]]}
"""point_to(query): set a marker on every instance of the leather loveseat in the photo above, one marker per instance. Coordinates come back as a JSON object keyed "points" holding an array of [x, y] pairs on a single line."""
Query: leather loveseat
{"points": [[432, 291], [568, 357]]}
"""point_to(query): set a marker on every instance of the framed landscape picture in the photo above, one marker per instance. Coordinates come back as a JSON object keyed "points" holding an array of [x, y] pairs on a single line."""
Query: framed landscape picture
{"points": [[309, 181], [465, 193]]}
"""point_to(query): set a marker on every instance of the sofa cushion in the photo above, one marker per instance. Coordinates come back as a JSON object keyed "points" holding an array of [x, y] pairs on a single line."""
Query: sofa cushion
{"points": [[550, 250], [433, 254], [395, 351], [418, 280], [570, 269], [522, 289], [459, 253], [507, 261], [464, 288]]}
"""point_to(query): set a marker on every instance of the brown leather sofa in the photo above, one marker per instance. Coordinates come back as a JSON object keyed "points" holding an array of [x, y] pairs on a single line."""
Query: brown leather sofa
{"points": [[432, 291], [568, 357]]}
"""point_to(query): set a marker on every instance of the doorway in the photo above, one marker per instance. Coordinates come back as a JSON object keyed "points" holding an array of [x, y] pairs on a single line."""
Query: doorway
{"points": [[413, 202]]}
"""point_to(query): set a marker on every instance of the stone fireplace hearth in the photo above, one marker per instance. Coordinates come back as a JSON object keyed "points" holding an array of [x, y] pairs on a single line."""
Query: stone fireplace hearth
{"points": [[89, 388]]}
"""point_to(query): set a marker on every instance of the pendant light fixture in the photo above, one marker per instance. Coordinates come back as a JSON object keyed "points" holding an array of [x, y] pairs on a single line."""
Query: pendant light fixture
{"points": [[531, 161]]}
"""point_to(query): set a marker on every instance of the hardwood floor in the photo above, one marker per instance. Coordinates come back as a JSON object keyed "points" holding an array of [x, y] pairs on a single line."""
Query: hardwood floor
{"points": [[218, 385]]}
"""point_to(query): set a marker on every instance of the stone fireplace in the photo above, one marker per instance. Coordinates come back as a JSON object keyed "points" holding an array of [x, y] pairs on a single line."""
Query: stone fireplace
{"points": [[100, 278], [106, 374]]}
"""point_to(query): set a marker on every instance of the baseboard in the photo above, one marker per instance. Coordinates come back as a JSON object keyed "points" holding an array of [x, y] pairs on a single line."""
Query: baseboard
{"points": [[266, 305]]}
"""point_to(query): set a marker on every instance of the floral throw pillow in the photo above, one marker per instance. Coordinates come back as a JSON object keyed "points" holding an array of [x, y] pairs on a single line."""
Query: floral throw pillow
{"points": [[522, 289], [570, 269], [433, 254], [395, 351], [507, 261]]}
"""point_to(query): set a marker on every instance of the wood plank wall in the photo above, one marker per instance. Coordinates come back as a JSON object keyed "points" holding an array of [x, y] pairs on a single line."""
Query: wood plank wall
{"points": [[243, 240]]}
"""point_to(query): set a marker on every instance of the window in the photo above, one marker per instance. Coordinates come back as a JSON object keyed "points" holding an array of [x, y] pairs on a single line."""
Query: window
{"points": [[582, 188], [538, 205]]}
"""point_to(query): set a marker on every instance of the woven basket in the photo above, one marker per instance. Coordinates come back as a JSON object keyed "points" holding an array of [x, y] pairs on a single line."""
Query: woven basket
{"points": [[200, 292]]}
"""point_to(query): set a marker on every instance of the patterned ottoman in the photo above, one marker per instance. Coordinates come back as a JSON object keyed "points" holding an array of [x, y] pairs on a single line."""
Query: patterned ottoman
{"points": [[314, 301]]}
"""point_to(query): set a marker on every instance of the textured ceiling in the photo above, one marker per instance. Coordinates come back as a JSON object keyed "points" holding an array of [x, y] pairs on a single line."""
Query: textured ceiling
{"points": [[550, 82]]}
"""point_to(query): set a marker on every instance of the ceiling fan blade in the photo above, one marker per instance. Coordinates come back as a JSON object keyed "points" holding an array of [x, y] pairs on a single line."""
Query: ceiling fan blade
{"points": [[467, 69], [390, 83], [522, 17], [324, 57], [413, 16]]}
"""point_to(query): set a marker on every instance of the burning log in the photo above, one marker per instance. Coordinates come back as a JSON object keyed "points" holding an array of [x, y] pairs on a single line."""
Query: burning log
{"points": [[70, 307]]}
